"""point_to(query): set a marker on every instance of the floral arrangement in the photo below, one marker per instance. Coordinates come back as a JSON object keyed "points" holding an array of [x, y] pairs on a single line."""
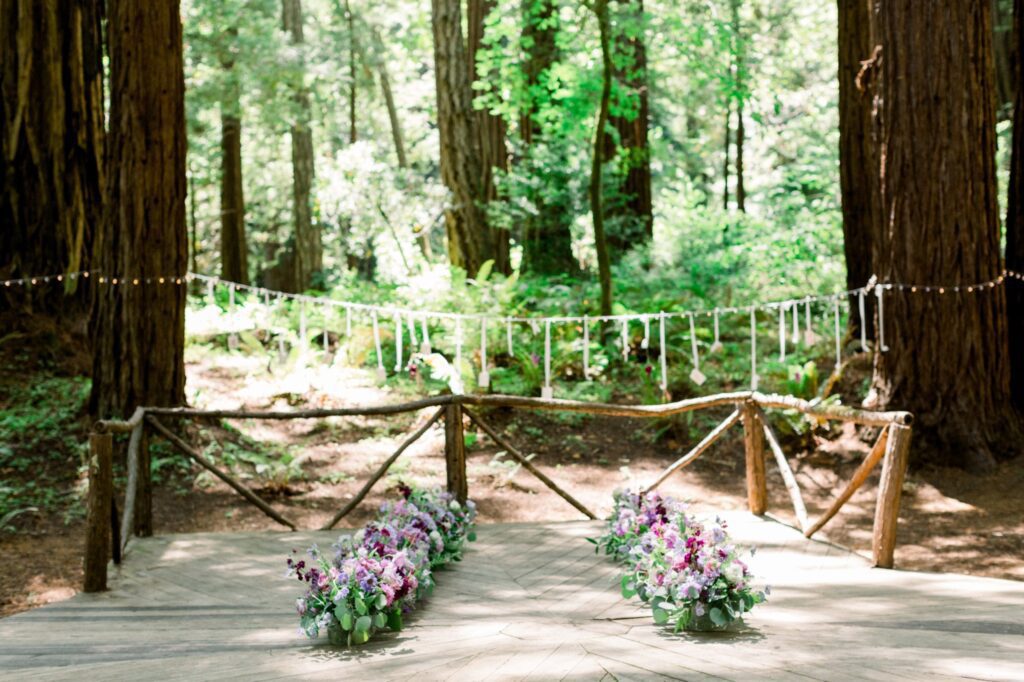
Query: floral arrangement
{"points": [[377, 575], [689, 572]]}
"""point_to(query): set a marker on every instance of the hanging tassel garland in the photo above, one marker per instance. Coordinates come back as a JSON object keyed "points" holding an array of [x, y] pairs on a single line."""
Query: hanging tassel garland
{"points": [[382, 374], [881, 321], [508, 336], [302, 325], [425, 345], [716, 347], [586, 348], [412, 334], [753, 349], [645, 343], [663, 352], [398, 343], [625, 339], [348, 322], [696, 376], [810, 338], [863, 327], [547, 392], [782, 333], [484, 380], [796, 323], [839, 348]]}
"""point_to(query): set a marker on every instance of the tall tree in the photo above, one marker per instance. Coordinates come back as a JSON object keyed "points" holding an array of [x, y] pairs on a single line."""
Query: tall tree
{"points": [[1015, 215], [739, 77], [630, 123], [604, 272], [469, 241], [51, 117], [234, 253], [948, 359], [858, 157], [547, 232], [491, 131], [307, 250], [142, 246]]}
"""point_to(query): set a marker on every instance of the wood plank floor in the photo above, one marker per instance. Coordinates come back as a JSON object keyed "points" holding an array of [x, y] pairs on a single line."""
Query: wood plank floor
{"points": [[530, 601]]}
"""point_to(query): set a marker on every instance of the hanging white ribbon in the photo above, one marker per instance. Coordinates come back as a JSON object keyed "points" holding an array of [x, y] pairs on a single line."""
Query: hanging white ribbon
{"points": [[782, 333], [839, 348], [382, 373], [398, 342], [425, 345], [209, 287], [881, 321], [586, 347], [810, 338], [231, 297], [717, 345], [796, 324], [625, 339], [696, 376], [348, 322], [663, 351], [863, 325], [508, 336], [484, 380], [302, 325], [645, 343], [412, 333], [547, 392], [753, 349]]}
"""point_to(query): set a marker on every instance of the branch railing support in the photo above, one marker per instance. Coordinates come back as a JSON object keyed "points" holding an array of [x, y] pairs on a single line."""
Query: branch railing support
{"points": [[890, 489]]}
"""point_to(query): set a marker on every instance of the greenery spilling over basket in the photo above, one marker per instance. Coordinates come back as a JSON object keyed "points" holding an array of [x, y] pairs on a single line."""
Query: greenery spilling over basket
{"points": [[378, 574], [688, 571]]}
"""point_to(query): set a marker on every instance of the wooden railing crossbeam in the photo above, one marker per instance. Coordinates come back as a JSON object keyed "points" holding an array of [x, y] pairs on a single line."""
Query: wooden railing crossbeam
{"points": [[856, 481], [697, 450], [241, 489], [528, 465], [788, 478], [379, 473]]}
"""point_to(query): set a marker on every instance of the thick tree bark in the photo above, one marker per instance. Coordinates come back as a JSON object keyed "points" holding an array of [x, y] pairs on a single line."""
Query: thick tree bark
{"points": [[858, 157], [139, 321], [307, 250], [948, 359], [234, 253], [546, 235], [353, 135], [727, 150], [604, 272], [1015, 218], [469, 240], [492, 132], [740, 67], [631, 130], [51, 143], [389, 100]]}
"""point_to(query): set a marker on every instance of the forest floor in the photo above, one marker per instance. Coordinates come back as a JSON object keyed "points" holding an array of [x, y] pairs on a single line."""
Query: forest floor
{"points": [[950, 521]]}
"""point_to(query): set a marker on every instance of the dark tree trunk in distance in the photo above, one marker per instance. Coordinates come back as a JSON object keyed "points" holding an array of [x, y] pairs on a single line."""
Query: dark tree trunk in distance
{"points": [[234, 253], [469, 240], [631, 130], [948, 360], [604, 272], [858, 158], [547, 235], [51, 145], [139, 330], [739, 73], [492, 132], [1015, 218], [307, 250]]}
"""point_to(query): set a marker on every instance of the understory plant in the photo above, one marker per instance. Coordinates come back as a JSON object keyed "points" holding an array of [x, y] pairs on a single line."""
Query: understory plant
{"points": [[688, 571], [377, 575]]}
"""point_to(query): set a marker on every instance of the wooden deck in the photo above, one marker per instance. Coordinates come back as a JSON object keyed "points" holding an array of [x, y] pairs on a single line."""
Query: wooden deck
{"points": [[529, 601]]}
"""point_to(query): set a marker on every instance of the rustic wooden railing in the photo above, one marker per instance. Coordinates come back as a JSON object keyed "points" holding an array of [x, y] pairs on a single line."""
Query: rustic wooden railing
{"points": [[108, 534]]}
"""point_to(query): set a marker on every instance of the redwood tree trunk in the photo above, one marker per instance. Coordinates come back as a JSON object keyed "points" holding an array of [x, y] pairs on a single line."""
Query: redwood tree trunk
{"points": [[948, 359], [1015, 218], [547, 235], [492, 132], [469, 240], [307, 251], [604, 272], [858, 158], [139, 329], [632, 135], [740, 67], [51, 144], [234, 256]]}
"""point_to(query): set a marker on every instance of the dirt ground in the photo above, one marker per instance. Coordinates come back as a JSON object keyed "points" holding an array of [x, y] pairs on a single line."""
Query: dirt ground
{"points": [[950, 521]]}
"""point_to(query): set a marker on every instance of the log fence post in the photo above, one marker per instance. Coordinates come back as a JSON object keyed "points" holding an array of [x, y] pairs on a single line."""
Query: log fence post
{"points": [[753, 441], [890, 489], [455, 452], [100, 500]]}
